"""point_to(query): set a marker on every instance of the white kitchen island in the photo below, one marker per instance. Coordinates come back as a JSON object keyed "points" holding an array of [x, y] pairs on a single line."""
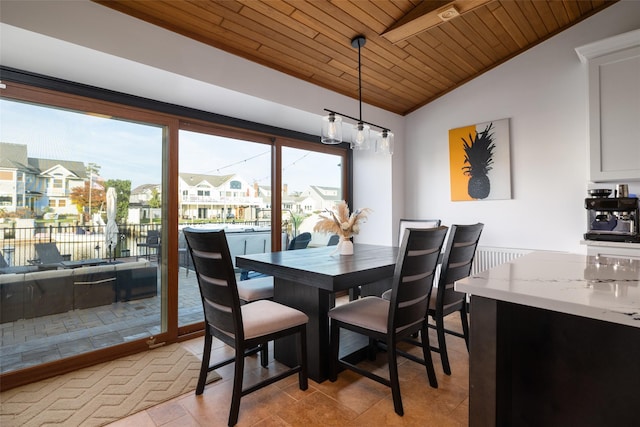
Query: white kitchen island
{"points": [[555, 341]]}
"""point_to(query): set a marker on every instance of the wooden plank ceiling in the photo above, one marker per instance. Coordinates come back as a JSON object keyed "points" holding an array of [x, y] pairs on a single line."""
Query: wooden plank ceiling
{"points": [[411, 57]]}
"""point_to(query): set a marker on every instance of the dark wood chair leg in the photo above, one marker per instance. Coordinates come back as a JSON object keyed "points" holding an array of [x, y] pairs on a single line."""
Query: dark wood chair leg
{"points": [[442, 345], [237, 387], [465, 326], [428, 360], [204, 367], [264, 355], [393, 377]]}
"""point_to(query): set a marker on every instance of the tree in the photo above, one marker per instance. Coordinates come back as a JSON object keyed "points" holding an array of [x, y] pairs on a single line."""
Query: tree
{"points": [[155, 201], [80, 196], [296, 220], [123, 192]]}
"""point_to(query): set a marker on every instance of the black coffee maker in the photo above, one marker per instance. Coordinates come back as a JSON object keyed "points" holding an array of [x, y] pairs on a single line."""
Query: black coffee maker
{"points": [[612, 219]]}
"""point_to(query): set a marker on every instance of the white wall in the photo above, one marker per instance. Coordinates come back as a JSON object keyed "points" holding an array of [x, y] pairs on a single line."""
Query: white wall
{"points": [[87, 43], [544, 94]]}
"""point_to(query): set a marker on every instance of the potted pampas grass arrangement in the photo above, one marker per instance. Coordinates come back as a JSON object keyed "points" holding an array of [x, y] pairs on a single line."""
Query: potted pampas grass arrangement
{"points": [[339, 221]]}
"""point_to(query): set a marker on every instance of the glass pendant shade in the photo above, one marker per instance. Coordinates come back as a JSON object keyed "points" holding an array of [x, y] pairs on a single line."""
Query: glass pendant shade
{"points": [[331, 129], [360, 134], [360, 137], [384, 142]]}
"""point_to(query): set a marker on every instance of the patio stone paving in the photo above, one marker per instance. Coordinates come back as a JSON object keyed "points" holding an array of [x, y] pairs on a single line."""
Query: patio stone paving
{"points": [[29, 342]]}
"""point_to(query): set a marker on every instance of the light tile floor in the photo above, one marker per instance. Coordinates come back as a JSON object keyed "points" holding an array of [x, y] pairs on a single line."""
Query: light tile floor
{"points": [[351, 401]]}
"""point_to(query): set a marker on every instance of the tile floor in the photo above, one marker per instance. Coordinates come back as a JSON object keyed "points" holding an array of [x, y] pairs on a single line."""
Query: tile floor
{"points": [[351, 401]]}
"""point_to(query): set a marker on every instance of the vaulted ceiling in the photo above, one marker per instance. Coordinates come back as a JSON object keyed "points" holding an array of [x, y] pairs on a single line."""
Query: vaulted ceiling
{"points": [[415, 51]]}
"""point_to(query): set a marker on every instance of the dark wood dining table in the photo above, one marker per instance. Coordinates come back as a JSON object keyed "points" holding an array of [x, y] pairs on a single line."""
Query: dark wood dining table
{"points": [[307, 279]]}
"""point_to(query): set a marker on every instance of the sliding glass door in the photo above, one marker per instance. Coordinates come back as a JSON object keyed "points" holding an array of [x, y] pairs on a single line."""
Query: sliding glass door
{"points": [[80, 192]]}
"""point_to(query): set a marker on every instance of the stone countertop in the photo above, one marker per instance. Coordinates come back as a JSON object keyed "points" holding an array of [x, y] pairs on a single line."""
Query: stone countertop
{"points": [[602, 288], [604, 243]]}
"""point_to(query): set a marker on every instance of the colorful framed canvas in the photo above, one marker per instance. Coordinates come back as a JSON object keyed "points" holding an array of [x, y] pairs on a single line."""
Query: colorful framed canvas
{"points": [[479, 161]]}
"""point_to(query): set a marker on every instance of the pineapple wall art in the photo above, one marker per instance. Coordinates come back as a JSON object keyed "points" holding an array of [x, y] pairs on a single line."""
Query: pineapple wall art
{"points": [[480, 164]]}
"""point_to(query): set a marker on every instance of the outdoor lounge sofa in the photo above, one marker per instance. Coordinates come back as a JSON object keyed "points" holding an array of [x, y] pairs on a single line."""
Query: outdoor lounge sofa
{"points": [[40, 293]]}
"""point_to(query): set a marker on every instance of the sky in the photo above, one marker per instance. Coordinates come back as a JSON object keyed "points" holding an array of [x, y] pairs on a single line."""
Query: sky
{"points": [[127, 150], [123, 150]]}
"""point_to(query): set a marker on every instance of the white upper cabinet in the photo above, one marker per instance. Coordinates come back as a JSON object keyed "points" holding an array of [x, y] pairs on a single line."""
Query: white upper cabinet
{"points": [[614, 107]]}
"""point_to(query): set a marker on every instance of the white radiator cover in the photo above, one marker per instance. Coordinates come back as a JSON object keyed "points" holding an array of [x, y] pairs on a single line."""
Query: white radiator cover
{"points": [[489, 257]]}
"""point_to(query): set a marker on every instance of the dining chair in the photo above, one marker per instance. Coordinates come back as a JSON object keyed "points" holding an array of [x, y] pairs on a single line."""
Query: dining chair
{"points": [[457, 260], [390, 321], [247, 328], [379, 287], [259, 286]]}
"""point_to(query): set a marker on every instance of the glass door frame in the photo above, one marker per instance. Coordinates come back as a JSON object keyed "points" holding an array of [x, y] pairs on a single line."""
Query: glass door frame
{"points": [[168, 316]]}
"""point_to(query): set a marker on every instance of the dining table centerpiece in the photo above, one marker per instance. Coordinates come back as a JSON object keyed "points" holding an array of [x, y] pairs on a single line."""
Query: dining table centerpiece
{"points": [[339, 221]]}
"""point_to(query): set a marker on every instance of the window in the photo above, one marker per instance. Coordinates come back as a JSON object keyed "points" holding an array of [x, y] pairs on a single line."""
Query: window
{"points": [[57, 183], [247, 215], [311, 182]]}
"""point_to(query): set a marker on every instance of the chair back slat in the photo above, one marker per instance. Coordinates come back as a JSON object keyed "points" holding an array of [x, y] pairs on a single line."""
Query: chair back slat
{"points": [[413, 277], [213, 265], [457, 260]]}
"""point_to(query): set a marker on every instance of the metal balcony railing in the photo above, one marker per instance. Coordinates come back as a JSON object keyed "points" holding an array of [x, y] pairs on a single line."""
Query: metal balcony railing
{"points": [[80, 242]]}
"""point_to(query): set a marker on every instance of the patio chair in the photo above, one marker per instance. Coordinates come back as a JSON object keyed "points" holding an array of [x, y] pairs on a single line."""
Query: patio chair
{"points": [[246, 328], [333, 240], [301, 241], [152, 242], [5, 268], [183, 252], [48, 253]]}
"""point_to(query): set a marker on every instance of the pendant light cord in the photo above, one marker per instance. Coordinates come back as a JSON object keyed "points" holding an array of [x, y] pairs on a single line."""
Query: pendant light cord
{"points": [[360, 79], [358, 42]]}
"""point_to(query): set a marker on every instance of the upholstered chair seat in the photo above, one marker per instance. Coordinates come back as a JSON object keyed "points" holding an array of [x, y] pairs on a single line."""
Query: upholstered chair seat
{"points": [[256, 289]]}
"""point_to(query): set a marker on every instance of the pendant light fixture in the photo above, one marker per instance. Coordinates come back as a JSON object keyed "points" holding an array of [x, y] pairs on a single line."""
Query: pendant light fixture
{"points": [[361, 132]]}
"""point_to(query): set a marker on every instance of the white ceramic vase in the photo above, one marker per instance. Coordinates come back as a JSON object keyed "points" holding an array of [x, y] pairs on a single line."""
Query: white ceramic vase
{"points": [[346, 247]]}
